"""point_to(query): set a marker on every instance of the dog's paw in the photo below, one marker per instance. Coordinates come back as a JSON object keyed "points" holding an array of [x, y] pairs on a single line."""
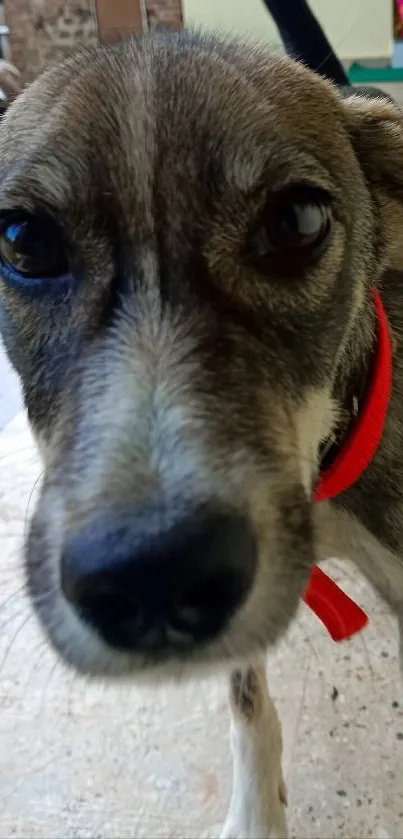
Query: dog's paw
{"points": [[250, 818]]}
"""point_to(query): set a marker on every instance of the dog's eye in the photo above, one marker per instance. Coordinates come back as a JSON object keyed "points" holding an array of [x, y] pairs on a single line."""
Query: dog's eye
{"points": [[32, 247], [294, 227]]}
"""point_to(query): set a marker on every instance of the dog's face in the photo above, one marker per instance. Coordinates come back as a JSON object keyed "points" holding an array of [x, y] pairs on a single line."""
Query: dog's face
{"points": [[187, 241]]}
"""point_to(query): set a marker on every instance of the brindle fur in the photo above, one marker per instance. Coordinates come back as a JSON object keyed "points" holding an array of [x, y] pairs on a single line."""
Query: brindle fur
{"points": [[172, 367]]}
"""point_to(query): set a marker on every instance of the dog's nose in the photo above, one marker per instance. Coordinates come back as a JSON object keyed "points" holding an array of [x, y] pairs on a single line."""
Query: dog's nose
{"points": [[160, 580]]}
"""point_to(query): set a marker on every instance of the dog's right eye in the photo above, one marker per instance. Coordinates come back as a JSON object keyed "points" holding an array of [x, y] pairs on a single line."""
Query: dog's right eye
{"points": [[31, 248]]}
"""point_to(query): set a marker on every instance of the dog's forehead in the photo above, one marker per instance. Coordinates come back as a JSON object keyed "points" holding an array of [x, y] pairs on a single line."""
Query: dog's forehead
{"points": [[166, 107]]}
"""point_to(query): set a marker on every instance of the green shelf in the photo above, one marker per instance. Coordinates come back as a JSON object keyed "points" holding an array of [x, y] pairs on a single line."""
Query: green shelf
{"points": [[358, 74]]}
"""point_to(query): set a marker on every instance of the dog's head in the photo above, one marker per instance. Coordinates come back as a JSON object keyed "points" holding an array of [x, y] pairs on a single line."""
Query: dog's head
{"points": [[189, 232]]}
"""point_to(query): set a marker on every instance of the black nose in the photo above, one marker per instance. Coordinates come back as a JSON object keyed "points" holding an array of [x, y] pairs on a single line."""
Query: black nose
{"points": [[160, 579]]}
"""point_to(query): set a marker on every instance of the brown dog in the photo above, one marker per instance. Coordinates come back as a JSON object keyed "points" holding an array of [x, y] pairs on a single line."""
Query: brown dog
{"points": [[190, 234]]}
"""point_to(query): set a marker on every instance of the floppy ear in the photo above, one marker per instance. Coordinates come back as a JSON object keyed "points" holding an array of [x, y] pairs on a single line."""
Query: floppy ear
{"points": [[375, 126]]}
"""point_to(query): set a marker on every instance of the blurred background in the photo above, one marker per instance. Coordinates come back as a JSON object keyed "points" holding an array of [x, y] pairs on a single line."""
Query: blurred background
{"points": [[43, 30]]}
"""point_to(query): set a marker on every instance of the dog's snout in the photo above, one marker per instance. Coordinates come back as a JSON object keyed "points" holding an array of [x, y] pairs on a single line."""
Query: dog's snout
{"points": [[158, 581]]}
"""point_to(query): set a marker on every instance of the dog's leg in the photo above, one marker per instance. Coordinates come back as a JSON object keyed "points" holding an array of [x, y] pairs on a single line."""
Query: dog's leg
{"points": [[257, 808]]}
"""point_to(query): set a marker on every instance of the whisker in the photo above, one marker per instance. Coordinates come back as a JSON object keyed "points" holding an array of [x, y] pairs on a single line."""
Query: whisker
{"points": [[69, 700], [52, 672], [10, 598], [44, 597], [41, 648], [29, 502], [13, 452], [7, 621], [343, 39], [367, 656], [13, 640]]}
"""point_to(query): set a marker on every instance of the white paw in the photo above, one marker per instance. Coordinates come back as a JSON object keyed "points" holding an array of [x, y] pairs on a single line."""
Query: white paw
{"points": [[253, 818]]}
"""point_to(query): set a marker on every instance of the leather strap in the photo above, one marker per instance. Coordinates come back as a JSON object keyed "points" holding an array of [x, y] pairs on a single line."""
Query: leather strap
{"points": [[120, 18]]}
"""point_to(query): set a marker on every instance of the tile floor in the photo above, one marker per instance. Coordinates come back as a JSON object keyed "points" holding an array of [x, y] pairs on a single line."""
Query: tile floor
{"points": [[82, 760], [89, 760]]}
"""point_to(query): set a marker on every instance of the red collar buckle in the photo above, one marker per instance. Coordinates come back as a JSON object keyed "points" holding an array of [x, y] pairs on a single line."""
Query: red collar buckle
{"points": [[341, 615]]}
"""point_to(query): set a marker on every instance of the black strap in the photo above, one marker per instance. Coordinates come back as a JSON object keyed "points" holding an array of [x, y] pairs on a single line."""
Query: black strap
{"points": [[304, 39]]}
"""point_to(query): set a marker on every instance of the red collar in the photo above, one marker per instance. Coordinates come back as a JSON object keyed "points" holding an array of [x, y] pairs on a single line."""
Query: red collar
{"points": [[334, 608]]}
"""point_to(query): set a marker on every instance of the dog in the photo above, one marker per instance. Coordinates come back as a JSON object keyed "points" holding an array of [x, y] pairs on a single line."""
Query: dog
{"points": [[191, 233]]}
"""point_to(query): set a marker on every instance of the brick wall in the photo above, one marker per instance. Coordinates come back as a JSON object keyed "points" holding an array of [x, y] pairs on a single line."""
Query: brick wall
{"points": [[42, 31], [165, 13], [18, 18]]}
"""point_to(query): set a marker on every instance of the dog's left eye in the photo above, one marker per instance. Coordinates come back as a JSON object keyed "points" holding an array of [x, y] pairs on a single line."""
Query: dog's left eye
{"points": [[293, 228], [32, 247]]}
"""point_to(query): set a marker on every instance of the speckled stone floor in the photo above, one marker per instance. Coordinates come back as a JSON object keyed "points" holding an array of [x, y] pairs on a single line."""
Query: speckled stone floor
{"points": [[79, 759]]}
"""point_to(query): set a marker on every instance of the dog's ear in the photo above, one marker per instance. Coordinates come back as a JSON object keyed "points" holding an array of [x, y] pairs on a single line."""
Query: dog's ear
{"points": [[376, 130], [375, 126]]}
